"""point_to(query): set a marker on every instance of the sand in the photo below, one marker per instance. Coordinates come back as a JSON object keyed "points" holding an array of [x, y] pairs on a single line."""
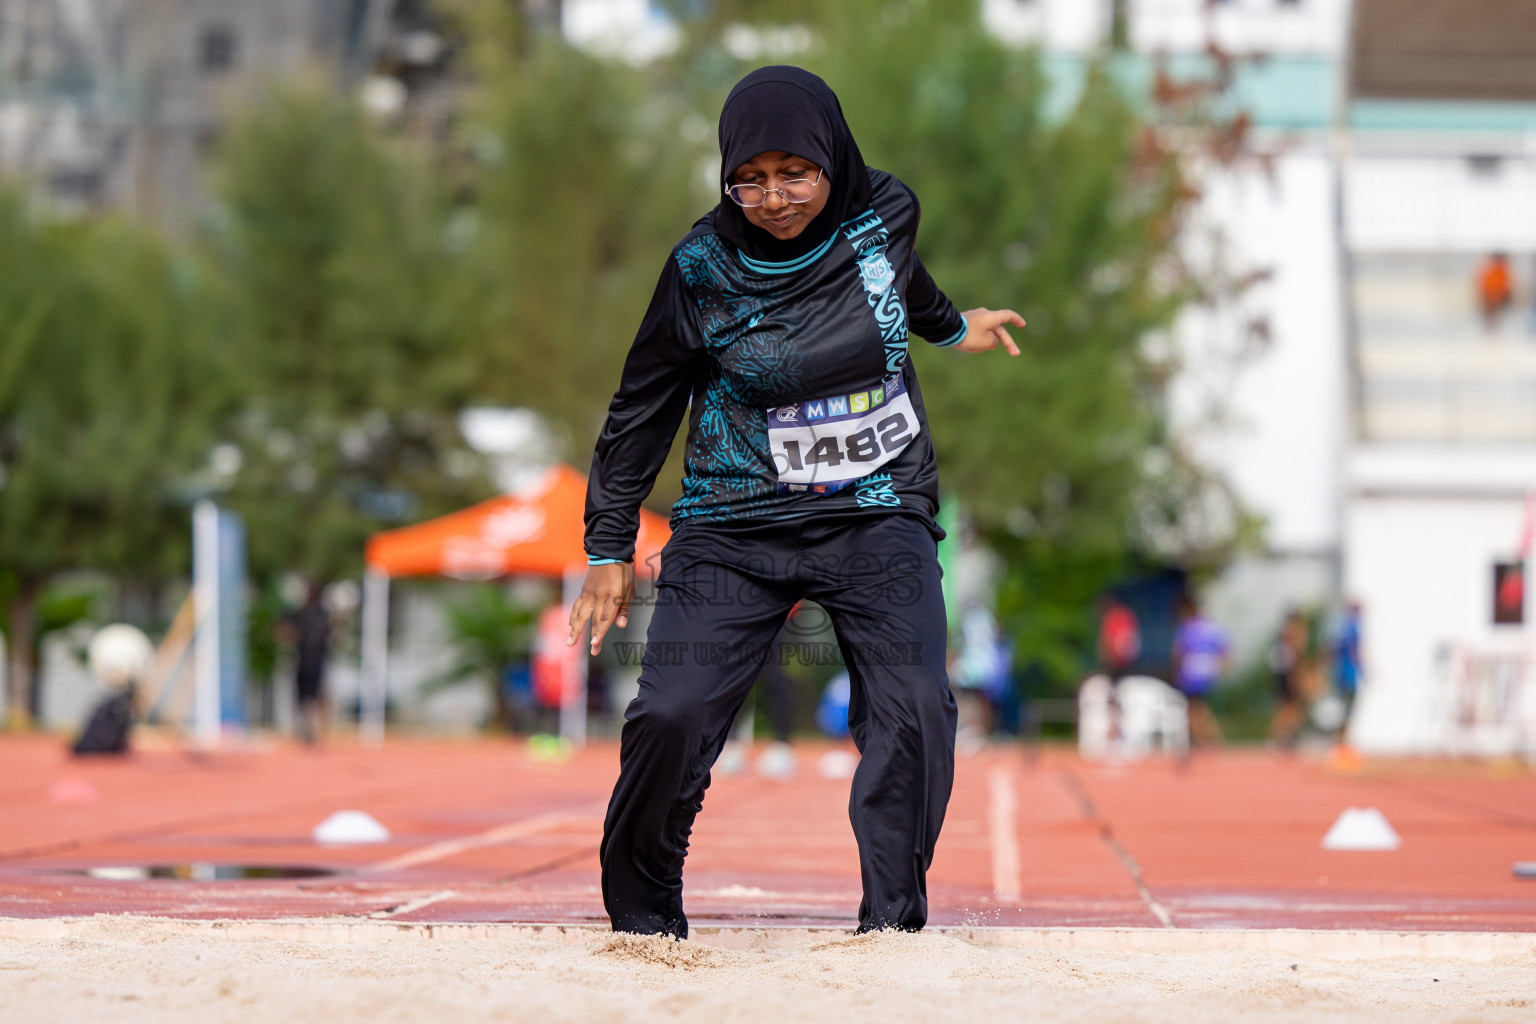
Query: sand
{"points": [[124, 970]]}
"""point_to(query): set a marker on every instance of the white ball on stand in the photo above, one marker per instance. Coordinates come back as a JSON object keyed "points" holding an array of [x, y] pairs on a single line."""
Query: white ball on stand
{"points": [[120, 655]]}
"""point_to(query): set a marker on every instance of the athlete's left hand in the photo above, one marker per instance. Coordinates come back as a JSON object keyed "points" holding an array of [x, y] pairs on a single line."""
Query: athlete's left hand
{"points": [[987, 332]]}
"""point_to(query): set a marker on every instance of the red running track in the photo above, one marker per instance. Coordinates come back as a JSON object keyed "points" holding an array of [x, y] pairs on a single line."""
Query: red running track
{"points": [[484, 831]]}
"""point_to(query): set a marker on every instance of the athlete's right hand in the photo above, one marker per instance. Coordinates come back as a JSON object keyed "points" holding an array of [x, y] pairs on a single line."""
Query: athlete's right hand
{"points": [[605, 597], [985, 330]]}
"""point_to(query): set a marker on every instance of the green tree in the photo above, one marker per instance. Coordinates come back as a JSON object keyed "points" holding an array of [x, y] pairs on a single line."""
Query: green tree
{"points": [[1075, 220], [345, 340], [105, 403], [579, 179], [1070, 209]]}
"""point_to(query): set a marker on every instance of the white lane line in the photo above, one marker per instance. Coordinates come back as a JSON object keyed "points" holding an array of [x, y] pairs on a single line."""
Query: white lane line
{"points": [[1003, 825], [1132, 866], [416, 904], [491, 837]]}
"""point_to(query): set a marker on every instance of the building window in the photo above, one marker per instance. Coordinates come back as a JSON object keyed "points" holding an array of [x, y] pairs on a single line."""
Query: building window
{"points": [[216, 52], [1509, 593], [1485, 165]]}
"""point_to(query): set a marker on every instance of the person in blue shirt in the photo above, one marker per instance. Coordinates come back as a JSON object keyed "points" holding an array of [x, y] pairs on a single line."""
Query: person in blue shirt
{"points": [[1347, 668], [1199, 660], [780, 327]]}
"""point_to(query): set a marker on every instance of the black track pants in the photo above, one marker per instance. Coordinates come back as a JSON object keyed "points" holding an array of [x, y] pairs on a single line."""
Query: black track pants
{"points": [[723, 594]]}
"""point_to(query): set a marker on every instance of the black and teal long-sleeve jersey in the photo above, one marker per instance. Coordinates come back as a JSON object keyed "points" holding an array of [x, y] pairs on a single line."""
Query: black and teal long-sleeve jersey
{"points": [[803, 401]]}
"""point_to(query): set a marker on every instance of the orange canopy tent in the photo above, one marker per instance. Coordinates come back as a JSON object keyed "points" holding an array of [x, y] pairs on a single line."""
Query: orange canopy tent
{"points": [[538, 531]]}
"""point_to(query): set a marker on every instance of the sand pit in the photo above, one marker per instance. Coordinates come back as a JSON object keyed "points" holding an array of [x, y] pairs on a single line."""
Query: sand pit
{"points": [[135, 969]]}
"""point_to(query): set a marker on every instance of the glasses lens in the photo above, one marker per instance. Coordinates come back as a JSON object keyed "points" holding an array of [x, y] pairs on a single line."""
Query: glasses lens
{"points": [[748, 195], [799, 190]]}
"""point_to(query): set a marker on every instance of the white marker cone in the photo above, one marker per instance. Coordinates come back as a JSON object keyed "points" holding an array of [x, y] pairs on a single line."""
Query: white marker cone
{"points": [[350, 827], [837, 764], [1361, 828]]}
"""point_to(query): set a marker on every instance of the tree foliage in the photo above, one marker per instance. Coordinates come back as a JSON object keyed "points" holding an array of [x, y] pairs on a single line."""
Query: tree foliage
{"points": [[1060, 458], [1071, 221], [350, 295], [345, 347], [578, 182], [104, 409]]}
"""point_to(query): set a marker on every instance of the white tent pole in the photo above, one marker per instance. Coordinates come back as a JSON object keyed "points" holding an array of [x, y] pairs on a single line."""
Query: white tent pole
{"points": [[205, 597], [573, 703], [373, 678]]}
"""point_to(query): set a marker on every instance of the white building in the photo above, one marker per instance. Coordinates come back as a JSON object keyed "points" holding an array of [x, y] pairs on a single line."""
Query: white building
{"points": [[1284, 391], [1384, 431], [1271, 415], [115, 103], [1441, 459]]}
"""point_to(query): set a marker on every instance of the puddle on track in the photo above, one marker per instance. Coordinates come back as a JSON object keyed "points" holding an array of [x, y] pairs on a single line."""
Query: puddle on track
{"points": [[199, 871]]}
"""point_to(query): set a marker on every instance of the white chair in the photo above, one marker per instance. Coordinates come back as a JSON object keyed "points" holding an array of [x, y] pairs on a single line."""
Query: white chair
{"points": [[1151, 712], [1093, 718]]}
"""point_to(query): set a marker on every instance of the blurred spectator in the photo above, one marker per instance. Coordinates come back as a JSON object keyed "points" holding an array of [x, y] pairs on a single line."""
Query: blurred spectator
{"points": [[1000, 691], [1530, 323], [1199, 659], [781, 688], [522, 705], [119, 657], [310, 631], [1286, 659], [597, 688], [1495, 289], [778, 761], [1509, 593], [980, 675], [832, 711], [1119, 643], [1119, 638], [1346, 661]]}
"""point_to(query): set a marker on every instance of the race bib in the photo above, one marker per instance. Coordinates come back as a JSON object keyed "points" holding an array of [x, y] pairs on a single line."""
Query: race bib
{"points": [[824, 444]]}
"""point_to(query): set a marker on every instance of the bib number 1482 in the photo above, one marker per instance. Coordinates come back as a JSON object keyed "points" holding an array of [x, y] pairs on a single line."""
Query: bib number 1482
{"points": [[823, 444], [886, 437]]}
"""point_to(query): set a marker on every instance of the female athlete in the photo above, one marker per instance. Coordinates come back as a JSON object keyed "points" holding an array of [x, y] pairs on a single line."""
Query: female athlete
{"points": [[780, 326]]}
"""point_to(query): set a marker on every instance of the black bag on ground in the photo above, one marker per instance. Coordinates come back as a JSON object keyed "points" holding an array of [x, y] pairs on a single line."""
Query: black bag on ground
{"points": [[106, 731]]}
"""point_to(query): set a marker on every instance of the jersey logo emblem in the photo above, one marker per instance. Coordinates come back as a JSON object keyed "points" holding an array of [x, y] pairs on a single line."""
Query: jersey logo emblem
{"points": [[787, 413], [877, 273]]}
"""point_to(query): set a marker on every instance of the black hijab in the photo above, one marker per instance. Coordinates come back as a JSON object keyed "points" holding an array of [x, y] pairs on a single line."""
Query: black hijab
{"points": [[789, 109]]}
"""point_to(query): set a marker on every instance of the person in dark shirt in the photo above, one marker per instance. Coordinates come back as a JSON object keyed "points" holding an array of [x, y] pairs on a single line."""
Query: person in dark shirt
{"points": [[310, 630], [780, 325], [1287, 661]]}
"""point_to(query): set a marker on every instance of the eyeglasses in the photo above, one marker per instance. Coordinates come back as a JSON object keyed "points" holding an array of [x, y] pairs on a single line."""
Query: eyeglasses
{"points": [[796, 190]]}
